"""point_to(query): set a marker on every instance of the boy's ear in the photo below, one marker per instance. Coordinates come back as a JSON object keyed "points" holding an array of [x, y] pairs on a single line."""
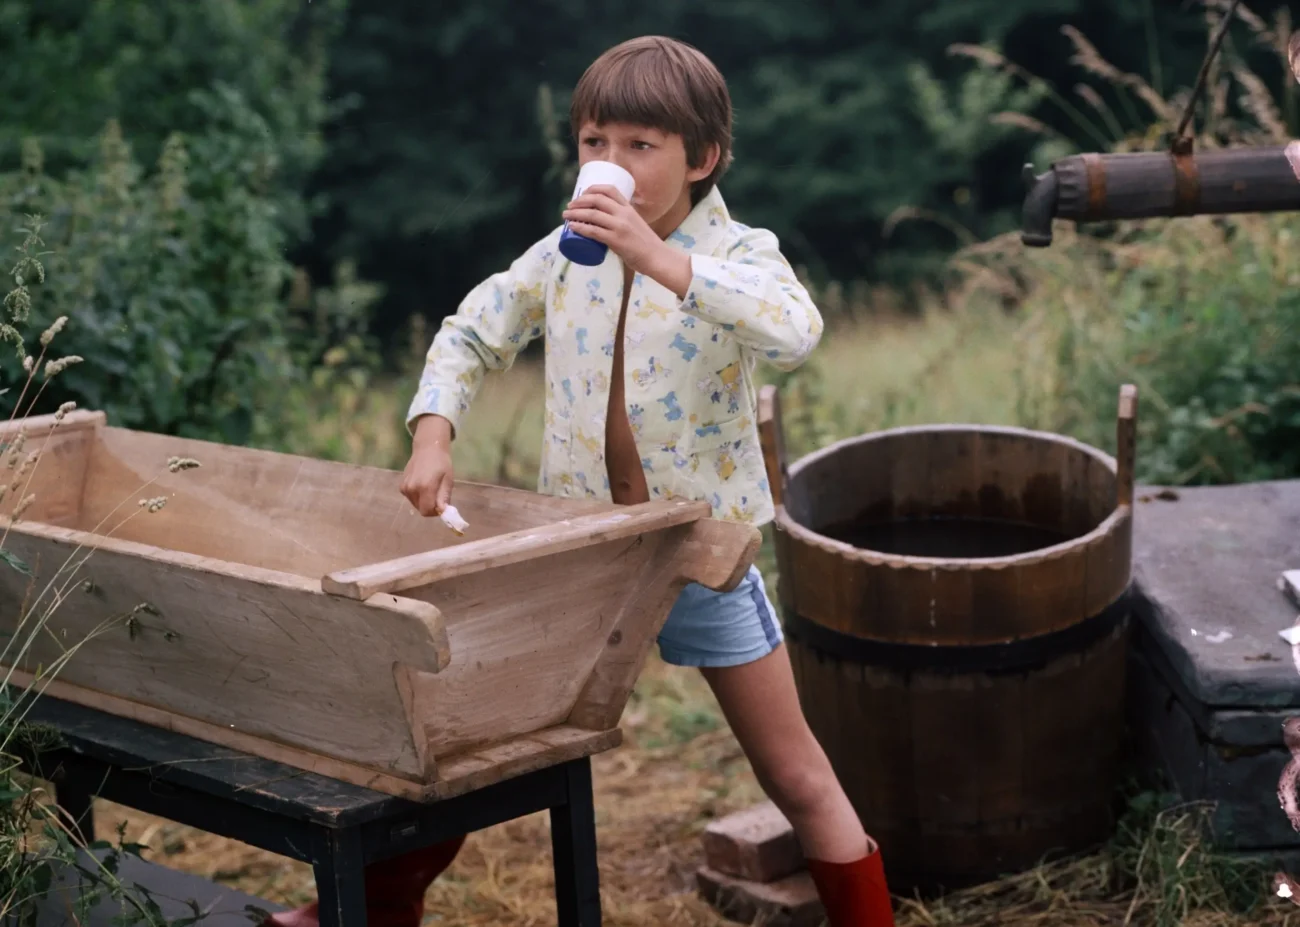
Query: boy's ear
{"points": [[711, 155]]}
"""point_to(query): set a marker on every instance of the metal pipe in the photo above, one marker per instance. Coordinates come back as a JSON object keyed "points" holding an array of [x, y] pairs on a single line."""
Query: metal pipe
{"points": [[1040, 208], [1160, 184]]}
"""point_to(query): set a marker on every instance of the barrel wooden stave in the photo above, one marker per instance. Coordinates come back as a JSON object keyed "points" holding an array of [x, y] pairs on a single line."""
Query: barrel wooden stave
{"points": [[963, 777]]}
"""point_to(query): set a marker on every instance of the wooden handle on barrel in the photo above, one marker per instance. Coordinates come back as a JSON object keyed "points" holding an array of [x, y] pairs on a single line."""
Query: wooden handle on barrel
{"points": [[772, 438], [1126, 444]]}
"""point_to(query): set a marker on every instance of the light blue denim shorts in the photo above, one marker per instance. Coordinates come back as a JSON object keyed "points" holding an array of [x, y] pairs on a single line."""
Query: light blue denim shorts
{"points": [[707, 628]]}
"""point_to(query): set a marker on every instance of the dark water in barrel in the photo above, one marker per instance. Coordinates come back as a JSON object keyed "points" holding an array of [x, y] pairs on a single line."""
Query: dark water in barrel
{"points": [[962, 538]]}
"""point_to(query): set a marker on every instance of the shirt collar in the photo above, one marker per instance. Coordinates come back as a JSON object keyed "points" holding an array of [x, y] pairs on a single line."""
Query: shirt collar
{"points": [[703, 229]]}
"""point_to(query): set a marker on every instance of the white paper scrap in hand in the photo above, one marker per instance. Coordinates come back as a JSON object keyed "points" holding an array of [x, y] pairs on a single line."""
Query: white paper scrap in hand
{"points": [[451, 518]]}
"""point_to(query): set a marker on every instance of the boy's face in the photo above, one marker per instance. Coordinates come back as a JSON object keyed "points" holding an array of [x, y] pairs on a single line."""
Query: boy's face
{"points": [[655, 159]]}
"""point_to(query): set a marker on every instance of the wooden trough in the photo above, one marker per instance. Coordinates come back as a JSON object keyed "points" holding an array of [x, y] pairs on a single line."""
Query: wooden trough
{"points": [[303, 611]]}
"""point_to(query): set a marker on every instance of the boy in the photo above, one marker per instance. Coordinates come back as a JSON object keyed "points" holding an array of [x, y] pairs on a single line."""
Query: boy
{"points": [[649, 395]]}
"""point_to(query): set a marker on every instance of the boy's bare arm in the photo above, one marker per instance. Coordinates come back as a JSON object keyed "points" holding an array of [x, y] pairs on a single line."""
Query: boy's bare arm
{"points": [[428, 478]]}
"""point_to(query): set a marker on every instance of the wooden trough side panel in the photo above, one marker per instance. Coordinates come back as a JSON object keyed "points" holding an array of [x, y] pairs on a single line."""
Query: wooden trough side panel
{"points": [[252, 651], [225, 737], [59, 472], [524, 638], [560, 637], [714, 553], [286, 512]]}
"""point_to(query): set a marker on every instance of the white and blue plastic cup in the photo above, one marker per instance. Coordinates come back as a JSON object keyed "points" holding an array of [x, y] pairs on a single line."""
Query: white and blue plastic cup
{"points": [[578, 248]]}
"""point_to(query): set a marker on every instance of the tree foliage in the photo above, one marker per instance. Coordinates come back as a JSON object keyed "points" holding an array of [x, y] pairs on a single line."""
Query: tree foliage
{"points": [[440, 166]]}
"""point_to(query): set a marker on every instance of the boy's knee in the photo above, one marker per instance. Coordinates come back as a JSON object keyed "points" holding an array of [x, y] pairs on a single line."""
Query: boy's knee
{"points": [[798, 785]]}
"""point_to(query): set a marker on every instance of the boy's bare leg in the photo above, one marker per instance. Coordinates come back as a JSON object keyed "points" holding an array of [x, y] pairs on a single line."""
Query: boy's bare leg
{"points": [[761, 705]]}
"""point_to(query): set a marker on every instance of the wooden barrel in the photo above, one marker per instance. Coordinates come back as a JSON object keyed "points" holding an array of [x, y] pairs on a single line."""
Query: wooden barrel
{"points": [[954, 599]]}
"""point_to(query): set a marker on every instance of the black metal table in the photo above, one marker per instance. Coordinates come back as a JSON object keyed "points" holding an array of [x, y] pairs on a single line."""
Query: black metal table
{"points": [[336, 827]]}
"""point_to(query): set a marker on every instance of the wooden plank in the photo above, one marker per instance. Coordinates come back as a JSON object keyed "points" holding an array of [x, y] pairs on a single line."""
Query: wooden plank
{"points": [[57, 476], [717, 554], [422, 569], [714, 553], [1126, 444], [463, 773], [538, 750], [224, 736], [646, 601], [252, 651], [407, 681], [527, 637], [40, 425], [771, 437]]}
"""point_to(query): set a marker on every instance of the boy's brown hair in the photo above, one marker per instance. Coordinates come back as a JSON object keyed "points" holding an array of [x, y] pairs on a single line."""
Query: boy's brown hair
{"points": [[665, 84]]}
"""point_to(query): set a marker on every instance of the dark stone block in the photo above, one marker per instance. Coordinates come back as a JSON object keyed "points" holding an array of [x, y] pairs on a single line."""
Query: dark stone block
{"points": [[1211, 680], [1208, 563], [170, 888]]}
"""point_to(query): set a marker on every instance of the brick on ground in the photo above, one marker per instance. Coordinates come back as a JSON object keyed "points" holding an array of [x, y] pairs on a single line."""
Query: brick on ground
{"points": [[787, 902], [756, 844]]}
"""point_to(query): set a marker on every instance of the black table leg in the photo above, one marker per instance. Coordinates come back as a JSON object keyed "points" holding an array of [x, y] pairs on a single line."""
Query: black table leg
{"points": [[74, 792], [340, 879], [573, 846]]}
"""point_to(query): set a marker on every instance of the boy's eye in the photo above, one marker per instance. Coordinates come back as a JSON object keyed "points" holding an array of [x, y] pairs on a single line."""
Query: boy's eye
{"points": [[590, 141]]}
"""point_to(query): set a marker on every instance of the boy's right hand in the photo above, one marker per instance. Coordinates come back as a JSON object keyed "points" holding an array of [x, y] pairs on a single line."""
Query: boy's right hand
{"points": [[427, 480]]}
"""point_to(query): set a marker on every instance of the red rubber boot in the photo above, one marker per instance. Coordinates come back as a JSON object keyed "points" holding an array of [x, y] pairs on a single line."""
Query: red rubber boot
{"points": [[394, 889], [854, 894]]}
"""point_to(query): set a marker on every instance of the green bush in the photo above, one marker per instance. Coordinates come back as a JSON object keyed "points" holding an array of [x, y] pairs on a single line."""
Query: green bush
{"points": [[72, 65], [1203, 316], [176, 277], [1201, 313]]}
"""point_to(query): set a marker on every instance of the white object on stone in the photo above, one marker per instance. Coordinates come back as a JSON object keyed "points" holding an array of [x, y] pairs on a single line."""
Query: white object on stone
{"points": [[1289, 584]]}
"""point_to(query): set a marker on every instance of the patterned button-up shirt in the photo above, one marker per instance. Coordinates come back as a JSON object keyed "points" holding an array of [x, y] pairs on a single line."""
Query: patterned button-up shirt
{"points": [[690, 387]]}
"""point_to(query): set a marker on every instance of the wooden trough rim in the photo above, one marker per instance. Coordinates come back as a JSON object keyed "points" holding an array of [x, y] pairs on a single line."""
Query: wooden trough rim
{"points": [[560, 536], [40, 426], [1122, 467]]}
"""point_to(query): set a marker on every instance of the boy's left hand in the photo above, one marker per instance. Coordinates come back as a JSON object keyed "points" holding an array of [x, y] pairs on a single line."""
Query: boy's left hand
{"points": [[602, 214]]}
